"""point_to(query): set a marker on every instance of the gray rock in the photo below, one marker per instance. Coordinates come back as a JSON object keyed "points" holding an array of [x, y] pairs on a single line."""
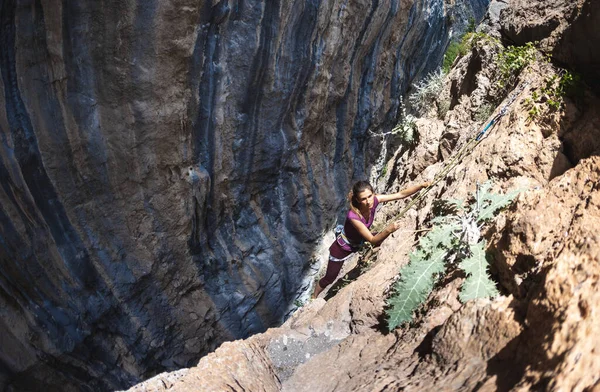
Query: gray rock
{"points": [[168, 167]]}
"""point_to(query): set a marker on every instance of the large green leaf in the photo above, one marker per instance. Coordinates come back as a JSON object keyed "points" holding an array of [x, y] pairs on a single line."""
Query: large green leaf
{"points": [[490, 203], [417, 280], [478, 283], [442, 235]]}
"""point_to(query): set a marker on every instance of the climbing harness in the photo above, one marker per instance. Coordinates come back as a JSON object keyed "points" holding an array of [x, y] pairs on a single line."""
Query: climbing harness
{"points": [[464, 151], [341, 235]]}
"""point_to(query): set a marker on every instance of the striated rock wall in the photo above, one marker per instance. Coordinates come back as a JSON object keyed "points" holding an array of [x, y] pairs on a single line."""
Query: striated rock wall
{"points": [[166, 168], [540, 334]]}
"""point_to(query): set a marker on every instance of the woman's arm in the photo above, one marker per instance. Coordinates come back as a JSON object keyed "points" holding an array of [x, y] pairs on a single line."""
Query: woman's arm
{"points": [[379, 237], [411, 190]]}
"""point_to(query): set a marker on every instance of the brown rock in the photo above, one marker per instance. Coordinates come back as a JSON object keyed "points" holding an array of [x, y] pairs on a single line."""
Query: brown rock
{"points": [[560, 344], [565, 28]]}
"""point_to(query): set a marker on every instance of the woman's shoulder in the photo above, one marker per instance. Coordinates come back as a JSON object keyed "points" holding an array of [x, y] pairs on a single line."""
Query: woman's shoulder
{"points": [[375, 201], [353, 215]]}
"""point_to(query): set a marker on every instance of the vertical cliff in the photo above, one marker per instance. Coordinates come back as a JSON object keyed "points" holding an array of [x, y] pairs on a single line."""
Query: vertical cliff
{"points": [[540, 333], [166, 168]]}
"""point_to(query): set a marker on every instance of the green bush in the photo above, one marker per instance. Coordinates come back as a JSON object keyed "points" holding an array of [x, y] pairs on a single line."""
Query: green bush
{"points": [[471, 25], [463, 45], [442, 108], [473, 39], [484, 112], [513, 59], [406, 131], [454, 239], [383, 171], [551, 96], [570, 84], [454, 48]]}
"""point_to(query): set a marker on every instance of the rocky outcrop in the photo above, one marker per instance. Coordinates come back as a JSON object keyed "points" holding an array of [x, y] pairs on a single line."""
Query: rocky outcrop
{"points": [[540, 334], [554, 250], [167, 168], [566, 29]]}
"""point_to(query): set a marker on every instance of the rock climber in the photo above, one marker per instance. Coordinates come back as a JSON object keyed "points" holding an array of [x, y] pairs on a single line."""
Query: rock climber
{"points": [[363, 203]]}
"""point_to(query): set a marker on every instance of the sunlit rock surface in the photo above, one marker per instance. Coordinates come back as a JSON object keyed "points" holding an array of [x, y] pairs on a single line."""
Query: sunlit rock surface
{"points": [[541, 332], [167, 167]]}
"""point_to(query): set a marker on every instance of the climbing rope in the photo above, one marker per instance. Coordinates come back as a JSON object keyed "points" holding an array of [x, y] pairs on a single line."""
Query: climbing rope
{"points": [[464, 151]]}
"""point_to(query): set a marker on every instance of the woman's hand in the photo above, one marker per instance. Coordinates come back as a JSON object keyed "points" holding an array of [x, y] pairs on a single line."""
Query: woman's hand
{"points": [[411, 190], [392, 227], [376, 239]]}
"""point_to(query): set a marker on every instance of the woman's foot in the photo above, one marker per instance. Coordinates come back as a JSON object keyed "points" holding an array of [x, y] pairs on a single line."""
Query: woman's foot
{"points": [[317, 291]]}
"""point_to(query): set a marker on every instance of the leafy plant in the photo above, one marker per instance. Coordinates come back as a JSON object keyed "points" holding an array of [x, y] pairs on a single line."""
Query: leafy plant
{"points": [[550, 96], [533, 110], [570, 84], [463, 45], [473, 39], [443, 105], [383, 171], [484, 112], [478, 284], [455, 237], [471, 25], [513, 59], [406, 130], [452, 52]]}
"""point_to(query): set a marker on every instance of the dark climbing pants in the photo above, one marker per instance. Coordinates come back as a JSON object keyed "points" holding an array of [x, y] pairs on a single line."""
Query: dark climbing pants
{"points": [[333, 269]]}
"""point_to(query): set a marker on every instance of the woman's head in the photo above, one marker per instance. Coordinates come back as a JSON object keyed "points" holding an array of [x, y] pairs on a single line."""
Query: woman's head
{"points": [[362, 195]]}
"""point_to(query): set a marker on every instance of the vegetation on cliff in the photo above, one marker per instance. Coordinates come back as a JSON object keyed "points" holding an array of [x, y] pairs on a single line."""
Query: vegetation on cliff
{"points": [[541, 332], [454, 241]]}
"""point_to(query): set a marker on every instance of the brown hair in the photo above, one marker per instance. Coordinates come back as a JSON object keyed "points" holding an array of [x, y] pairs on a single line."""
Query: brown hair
{"points": [[358, 187]]}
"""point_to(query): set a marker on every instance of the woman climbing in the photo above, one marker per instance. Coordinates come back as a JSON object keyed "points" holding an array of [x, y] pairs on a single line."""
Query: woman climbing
{"points": [[363, 203]]}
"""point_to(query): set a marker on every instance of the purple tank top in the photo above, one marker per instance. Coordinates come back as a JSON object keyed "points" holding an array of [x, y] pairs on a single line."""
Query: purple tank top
{"points": [[339, 249], [351, 233]]}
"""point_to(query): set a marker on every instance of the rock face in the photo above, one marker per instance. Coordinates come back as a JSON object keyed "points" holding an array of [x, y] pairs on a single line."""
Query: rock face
{"points": [[559, 349], [567, 30], [167, 168], [544, 253]]}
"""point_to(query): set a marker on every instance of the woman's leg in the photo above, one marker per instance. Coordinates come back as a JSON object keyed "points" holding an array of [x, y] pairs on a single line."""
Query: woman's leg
{"points": [[333, 269], [317, 291]]}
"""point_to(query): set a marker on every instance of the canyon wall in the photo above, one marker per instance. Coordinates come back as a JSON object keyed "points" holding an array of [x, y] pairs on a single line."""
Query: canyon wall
{"points": [[167, 167], [541, 332]]}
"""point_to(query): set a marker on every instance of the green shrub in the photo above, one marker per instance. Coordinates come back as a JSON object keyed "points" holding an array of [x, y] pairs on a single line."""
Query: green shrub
{"points": [[570, 84], [454, 48], [383, 171], [471, 40], [463, 45], [512, 60], [471, 25], [551, 96], [454, 238], [407, 131], [442, 108], [484, 112]]}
